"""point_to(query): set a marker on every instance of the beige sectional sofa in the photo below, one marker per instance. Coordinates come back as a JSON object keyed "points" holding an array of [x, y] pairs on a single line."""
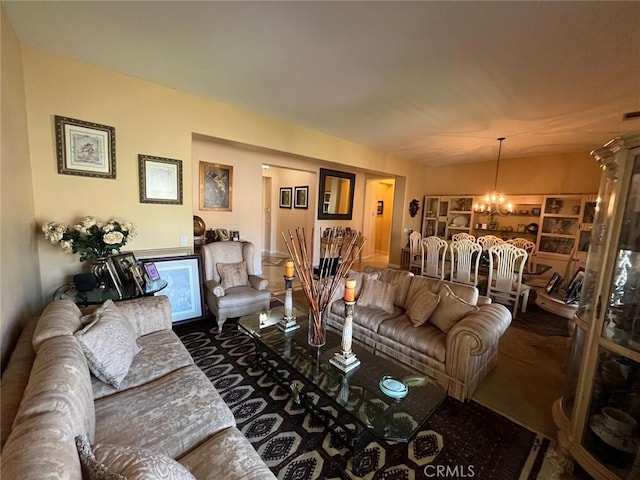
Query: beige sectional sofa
{"points": [[165, 416], [441, 328]]}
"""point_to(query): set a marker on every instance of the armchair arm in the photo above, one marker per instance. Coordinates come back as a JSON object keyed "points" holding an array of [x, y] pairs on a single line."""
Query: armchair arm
{"points": [[483, 300], [214, 287], [257, 282]]}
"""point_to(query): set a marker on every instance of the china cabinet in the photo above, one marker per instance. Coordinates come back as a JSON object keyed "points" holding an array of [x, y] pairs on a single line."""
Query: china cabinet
{"points": [[599, 414], [459, 215]]}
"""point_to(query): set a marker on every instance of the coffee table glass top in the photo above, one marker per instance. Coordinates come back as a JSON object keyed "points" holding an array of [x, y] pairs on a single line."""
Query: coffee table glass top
{"points": [[357, 391]]}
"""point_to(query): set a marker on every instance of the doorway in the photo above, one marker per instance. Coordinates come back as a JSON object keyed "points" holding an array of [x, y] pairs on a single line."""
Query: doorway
{"points": [[377, 222], [266, 215]]}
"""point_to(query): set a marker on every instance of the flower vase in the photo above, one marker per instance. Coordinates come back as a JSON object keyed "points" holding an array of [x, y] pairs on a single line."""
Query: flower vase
{"points": [[101, 271], [317, 328]]}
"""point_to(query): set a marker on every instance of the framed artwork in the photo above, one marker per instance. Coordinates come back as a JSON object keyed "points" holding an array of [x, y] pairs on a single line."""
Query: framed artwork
{"points": [[85, 148], [223, 234], [216, 184], [285, 197], [160, 180], [235, 235], [122, 264], [301, 197], [183, 275], [575, 287], [152, 271], [380, 207], [554, 283]]}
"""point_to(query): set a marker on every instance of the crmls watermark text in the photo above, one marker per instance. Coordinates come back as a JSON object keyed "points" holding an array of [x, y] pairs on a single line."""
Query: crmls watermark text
{"points": [[448, 471]]}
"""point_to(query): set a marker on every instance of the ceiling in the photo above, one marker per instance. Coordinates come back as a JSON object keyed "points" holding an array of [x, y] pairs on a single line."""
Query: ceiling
{"points": [[434, 82]]}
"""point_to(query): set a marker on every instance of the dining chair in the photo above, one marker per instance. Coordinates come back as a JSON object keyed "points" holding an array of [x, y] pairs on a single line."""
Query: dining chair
{"points": [[488, 241], [434, 252], [462, 236], [504, 285], [465, 262], [415, 252]]}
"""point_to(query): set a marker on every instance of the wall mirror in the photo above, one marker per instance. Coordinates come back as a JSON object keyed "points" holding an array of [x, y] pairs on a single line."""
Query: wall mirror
{"points": [[335, 200]]}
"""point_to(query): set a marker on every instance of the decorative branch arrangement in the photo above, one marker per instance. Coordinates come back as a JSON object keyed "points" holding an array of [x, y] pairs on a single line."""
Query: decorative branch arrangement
{"points": [[319, 291]]}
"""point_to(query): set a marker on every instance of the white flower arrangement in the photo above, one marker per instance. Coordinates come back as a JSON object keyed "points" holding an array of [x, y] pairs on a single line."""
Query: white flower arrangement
{"points": [[90, 238]]}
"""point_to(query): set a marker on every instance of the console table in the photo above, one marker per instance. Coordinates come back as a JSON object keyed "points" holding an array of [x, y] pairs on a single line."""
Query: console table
{"points": [[99, 295], [554, 303]]}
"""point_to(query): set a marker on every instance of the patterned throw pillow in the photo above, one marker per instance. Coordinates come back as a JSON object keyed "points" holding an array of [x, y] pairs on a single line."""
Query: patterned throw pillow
{"points": [[109, 343], [360, 278], [421, 304], [377, 294], [450, 310], [233, 274], [116, 462]]}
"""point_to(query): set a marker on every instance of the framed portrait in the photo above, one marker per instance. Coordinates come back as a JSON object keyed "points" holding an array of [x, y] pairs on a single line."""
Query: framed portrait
{"points": [[301, 197], [152, 271], [235, 235], [554, 283], [216, 184], [85, 148], [122, 264], [183, 275], [380, 207], [575, 287], [160, 180], [285, 197]]}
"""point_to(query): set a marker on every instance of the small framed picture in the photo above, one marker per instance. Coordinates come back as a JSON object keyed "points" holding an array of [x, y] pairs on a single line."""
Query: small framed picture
{"points": [[380, 207], [85, 148], [223, 234], [301, 197], [152, 271], [122, 264], [160, 180], [235, 235], [138, 278], [554, 283], [285, 197]]}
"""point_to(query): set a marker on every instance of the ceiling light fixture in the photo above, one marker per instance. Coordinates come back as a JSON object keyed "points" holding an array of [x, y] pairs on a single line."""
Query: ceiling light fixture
{"points": [[494, 202]]}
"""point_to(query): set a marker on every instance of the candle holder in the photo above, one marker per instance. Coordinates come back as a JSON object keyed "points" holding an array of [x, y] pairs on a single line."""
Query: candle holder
{"points": [[346, 360], [288, 322]]}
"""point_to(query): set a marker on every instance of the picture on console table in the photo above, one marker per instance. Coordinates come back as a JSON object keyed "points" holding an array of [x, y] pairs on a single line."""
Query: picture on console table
{"points": [[122, 264], [183, 275]]}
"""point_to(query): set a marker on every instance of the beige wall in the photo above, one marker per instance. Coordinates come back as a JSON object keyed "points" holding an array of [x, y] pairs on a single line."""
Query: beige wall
{"points": [[20, 292]]}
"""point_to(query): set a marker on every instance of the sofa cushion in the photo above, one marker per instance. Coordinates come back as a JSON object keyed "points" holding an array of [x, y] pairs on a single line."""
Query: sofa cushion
{"points": [[58, 318], [402, 278], [107, 462], [160, 353], [400, 334], [468, 293], [451, 309], [233, 274], [421, 304], [109, 343], [361, 277], [170, 415], [378, 294]]}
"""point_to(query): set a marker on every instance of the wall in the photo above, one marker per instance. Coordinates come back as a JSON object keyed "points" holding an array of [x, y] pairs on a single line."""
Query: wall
{"points": [[20, 291], [153, 120]]}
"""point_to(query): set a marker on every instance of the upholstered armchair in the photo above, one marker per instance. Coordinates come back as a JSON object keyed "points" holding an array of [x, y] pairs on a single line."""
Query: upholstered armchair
{"points": [[231, 287]]}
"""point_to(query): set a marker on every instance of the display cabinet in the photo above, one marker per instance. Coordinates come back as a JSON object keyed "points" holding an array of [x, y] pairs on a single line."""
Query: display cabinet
{"points": [[599, 414], [459, 215], [430, 213], [523, 221]]}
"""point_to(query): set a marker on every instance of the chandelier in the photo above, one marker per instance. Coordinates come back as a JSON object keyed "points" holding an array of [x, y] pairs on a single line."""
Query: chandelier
{"points": [[494, 202]]}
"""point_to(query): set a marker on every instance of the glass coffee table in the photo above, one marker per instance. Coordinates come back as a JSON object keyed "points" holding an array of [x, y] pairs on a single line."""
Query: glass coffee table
{"points": [[370, 413]]}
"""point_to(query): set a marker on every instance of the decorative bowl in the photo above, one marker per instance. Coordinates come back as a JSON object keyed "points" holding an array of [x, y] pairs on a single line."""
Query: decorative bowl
{"points": [[393, 387]]}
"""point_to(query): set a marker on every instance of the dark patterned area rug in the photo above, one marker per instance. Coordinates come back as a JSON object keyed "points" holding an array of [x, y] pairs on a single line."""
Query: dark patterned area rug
{"points": [[460, 440], [541, 322]]}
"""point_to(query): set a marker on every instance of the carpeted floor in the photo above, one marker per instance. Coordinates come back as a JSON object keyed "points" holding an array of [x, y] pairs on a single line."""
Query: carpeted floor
{"points": [[466, 438]]}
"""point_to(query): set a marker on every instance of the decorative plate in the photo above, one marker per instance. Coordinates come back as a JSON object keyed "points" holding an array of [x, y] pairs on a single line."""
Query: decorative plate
{"points": [[460, 221], [198, 226], [393, 387]]}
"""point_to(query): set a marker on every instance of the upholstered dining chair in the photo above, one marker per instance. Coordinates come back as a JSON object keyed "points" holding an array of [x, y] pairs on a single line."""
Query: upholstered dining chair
{"points": [[462, 236], [434, 253], [465, 261], [232, 289], [415, 252], [504, 284]]}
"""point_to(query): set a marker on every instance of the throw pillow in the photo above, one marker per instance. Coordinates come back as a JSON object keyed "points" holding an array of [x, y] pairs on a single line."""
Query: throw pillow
{"points": [[360, 278], [109, 343], [233, 274], [107, 462], [420, 306], [451, 309], [377, 294]]}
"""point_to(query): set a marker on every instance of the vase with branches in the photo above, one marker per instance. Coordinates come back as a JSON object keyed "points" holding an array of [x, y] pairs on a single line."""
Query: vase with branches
{"points": [[321, 286]]}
